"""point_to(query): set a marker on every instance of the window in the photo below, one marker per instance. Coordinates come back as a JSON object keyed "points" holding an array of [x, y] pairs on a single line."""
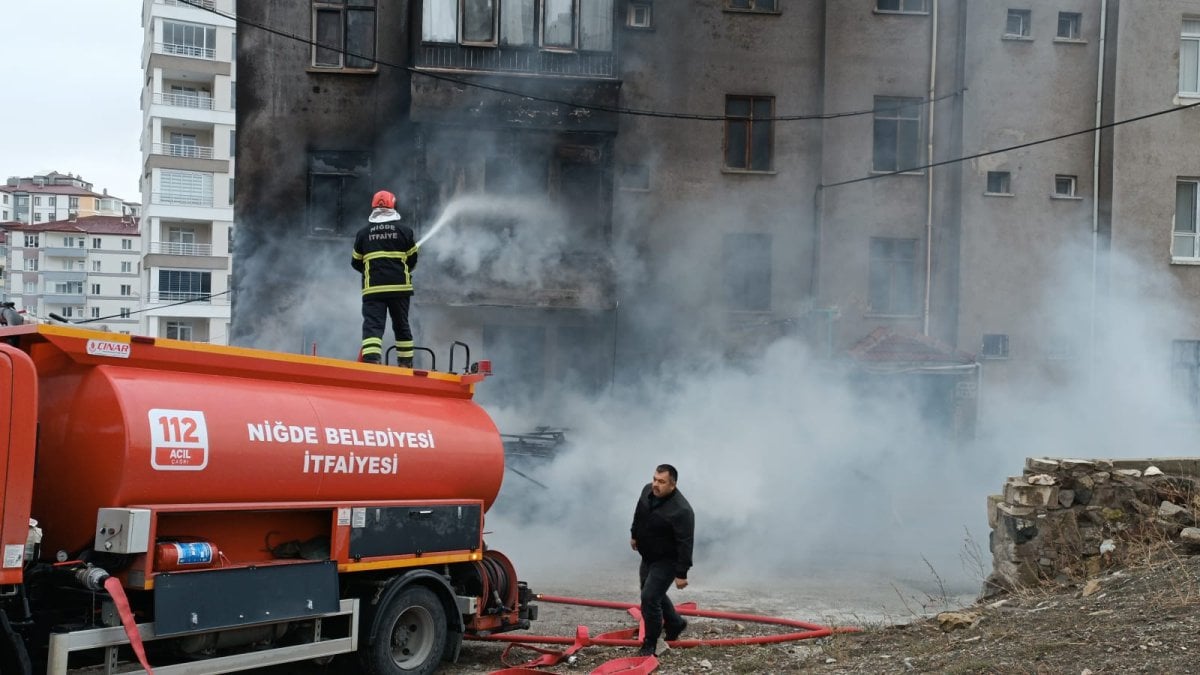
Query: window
{"points": [[126, 244], [68, 287], [188, 39], [753, 5], [74, 202], [1018, 23], [232, 144], [31, 241], [231, 184], [68, 312], [902, 6], [1185, 373], [96, 243], [344, 33], [893, 276], [178, 330], [52, 200], [95, 289], [995, 346], [182, 285], [126, 267], [37, 201], [95, 265], [747, 277], [124, 312], [639, 15], [1189, 57], [69, 242], [95, 312], [897, 134], [1064, 186], [564, 24], [185, 188], [339, 183], [635, 177], [1068, 25], [1185, 243], [126, 289], [30, 287], [999, 183], [183, 145], [37, 217], [748, 132]]}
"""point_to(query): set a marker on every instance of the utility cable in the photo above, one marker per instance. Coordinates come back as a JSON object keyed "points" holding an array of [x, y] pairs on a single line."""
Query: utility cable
{"points": [[148, 309], [635, 112]]}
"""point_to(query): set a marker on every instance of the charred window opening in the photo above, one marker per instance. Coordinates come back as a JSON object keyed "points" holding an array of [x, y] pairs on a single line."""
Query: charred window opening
{"points": [[893, 276], [339, 191], [897, 134], [585, 25], [344, 33], [754, 5], [747, 273], [749, 132]]}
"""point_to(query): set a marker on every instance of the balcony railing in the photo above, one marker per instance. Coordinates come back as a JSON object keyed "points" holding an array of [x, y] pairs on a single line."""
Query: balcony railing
{"points": [[182, 199], [181, 296], [206, 4], [64, 252], [182, 150], [185, 101], [179, 248], [191, 51], [509, 60]]}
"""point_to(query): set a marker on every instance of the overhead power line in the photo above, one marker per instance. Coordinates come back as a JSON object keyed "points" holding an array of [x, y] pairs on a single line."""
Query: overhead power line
{"points": [[200, 298], [635, 112]]}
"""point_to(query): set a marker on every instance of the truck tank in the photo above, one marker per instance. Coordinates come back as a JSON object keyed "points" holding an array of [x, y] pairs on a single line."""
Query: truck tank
{"points": [[127, 421]]}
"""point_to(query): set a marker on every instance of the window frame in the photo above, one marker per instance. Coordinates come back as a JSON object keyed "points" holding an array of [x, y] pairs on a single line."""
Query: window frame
{"points": [[750, 120], [892, 265], [1026, 17], [753, 8], [1194, 233], [901, 10], [631, 15], [1076, 19], [999, 344], [1073, 186], [344, 8], [898, 103], [1005, 178], [1191, 36]]}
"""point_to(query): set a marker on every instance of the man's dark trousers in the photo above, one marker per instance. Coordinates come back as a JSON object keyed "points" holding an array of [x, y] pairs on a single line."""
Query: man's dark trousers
{"points": [[656, 578], [375, 309]]}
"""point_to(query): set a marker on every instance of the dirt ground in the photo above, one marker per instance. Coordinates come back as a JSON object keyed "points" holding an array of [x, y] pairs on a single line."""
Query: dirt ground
{"points": [[1142, 619]]}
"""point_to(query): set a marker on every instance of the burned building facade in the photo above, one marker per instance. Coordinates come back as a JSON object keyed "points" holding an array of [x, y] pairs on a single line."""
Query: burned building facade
{"points": [[723, 173]]}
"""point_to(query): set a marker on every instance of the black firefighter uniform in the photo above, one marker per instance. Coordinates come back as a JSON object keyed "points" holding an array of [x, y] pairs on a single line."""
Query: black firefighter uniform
{"points": [[386, 254]]}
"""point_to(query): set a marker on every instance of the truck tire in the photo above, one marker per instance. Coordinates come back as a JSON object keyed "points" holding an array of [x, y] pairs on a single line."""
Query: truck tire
{"points": [[409, 637]]}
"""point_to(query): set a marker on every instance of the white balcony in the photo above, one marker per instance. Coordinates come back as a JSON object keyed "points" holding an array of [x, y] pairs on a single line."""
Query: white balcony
{"points": [[179, 248], [206, 4], [195, 101], [182, 199], [190, 51], [182, 150]]}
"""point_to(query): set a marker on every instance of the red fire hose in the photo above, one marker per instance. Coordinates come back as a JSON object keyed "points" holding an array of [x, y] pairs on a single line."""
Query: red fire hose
{"points": [[630, 637]]}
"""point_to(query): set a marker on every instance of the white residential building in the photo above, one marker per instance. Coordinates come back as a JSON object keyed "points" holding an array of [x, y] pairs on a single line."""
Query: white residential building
{"points": [[57, 196], [83, 269], [188, 144]]}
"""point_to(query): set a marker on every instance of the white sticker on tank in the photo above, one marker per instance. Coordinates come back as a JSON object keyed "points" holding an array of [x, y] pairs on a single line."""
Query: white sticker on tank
{"points": [[343, 516], [360, 518], [14, 555], [117, 350], [178, 440]]}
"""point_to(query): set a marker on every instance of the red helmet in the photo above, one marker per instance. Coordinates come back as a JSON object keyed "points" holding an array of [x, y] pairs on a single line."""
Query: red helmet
{"points": [[383, 199]]}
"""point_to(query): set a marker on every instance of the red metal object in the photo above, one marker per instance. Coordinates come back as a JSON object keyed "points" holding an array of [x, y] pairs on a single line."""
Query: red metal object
{"points": [[125, 422], [18, 410], [189, 555]]}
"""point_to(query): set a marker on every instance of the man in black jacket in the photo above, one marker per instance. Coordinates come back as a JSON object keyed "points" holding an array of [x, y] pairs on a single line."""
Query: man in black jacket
{"points": [[663, 526], [386, 254]]}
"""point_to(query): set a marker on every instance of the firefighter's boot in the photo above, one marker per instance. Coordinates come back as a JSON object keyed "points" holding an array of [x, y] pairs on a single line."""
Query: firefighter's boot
{"points": [[405, 362]]}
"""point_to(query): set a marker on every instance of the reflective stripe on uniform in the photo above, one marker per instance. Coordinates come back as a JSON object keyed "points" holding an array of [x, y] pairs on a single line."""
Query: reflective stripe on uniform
{"points": [[404, 349], [372, 345], [369, 288]]}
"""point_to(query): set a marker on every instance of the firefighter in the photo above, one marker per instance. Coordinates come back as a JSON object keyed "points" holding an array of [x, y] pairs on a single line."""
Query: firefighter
{"points": [[385, 253]]}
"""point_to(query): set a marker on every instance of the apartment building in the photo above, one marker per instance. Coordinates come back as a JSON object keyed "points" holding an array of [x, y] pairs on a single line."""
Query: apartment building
{"points": [[82, 269], [769, 174], [188, 147], [57, 196]]}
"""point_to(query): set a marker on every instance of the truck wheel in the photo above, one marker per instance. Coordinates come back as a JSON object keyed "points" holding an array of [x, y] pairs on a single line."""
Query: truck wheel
{"points": [[410, 637]]}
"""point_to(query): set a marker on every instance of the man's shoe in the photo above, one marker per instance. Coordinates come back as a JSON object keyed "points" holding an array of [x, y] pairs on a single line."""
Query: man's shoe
{"points": [[672, 634], [646, 651], [370, 358]]}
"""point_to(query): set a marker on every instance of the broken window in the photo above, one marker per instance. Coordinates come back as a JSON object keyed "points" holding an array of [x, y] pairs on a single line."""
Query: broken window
{"points": [[897, 134], [1185, 242], [1189, 57], [344, 33], [747, 272], [749, 132], [339, 192], [893, 276]]}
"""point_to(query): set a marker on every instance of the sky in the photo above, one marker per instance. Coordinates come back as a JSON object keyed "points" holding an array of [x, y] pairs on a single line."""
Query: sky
{"points": [[72, 91]]}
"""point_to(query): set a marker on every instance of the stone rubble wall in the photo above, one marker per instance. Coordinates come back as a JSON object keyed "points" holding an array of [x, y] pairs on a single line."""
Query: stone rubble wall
{"points": [[1064, 520]]}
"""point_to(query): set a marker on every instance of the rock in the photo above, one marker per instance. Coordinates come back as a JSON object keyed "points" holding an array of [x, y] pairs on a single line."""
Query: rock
{"points": [[1107, 546], [1021, 493], [1091, 587], [949, 621], [1077, 464], [705, 664], [1169, 510], [1190, 536], [1152, 471], [1128, 473], [1066, 498], [1041, 479], [830, 660], [1041, 464]]}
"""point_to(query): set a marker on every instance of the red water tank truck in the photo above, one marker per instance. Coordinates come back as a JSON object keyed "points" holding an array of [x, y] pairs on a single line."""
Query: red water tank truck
{"points": [[253, 507]]}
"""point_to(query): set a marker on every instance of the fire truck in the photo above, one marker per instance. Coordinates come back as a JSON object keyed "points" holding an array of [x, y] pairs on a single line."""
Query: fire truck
{"points": [[207, 509]]}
